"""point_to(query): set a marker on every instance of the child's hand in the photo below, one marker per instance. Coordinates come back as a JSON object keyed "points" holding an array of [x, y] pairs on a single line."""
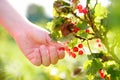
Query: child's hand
{"points": [[38, 47], [34, 42]]}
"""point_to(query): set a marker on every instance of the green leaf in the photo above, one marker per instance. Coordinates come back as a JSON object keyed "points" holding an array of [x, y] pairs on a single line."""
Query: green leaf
{"points": [[82, 26], [93, 66], [113, 70], [57, 22], [88, 1], [73, 42], [55, 35], [101, 11]]}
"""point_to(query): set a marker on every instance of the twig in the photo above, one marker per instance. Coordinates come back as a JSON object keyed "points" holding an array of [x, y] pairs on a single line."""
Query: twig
{"points": [[95, 4], [78, 17], [89, 46]]}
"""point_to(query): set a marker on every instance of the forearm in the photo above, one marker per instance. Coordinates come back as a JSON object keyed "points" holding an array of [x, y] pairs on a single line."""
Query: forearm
{"points": [[10, 19]]}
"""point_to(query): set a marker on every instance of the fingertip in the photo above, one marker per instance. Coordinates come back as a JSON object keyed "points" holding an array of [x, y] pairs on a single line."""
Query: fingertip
{"points": [[33, 61], [60, 50], [61, 54]]}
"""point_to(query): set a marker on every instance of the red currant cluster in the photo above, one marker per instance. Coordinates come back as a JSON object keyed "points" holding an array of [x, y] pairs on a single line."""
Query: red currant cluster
{"points": [[81, 9], [102, 73], [76, 49]]}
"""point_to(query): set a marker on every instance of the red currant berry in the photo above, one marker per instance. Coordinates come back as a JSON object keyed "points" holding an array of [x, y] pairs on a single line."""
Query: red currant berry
{"points": [[85, 11], [79, 7], [102, 74], [99, 45], [61, 49], [80, 52], [87, 31], [75, 49], [75, 30], [73, 55], [97, 40], [67, 49], [80, 45]]}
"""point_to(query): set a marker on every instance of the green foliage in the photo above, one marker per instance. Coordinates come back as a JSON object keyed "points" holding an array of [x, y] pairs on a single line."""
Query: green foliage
{"points": [[93, 66], [82, 26]]}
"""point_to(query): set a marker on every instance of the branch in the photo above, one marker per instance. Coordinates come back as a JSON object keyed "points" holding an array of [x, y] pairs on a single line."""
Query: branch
{"points": [[95, 4], [78, 17], [80, 37]]}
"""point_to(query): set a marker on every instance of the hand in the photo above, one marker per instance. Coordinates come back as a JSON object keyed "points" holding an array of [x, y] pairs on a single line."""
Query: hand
{"points": [[37, 46], [34, 42]]}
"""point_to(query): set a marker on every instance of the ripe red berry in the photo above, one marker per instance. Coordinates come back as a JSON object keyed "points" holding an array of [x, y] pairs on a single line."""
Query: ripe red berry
{"points": [[87, 31], [85, 11], [73, 55], [80, 45], [67, 50], [75, 49], [79, 7], [97, 40], [99, 45], [80, 52], [61, 49], [101, 73], [75, 30]]}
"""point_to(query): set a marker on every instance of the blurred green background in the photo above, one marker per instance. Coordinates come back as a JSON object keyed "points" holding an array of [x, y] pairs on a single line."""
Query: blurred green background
{"points": [[14, 66]]}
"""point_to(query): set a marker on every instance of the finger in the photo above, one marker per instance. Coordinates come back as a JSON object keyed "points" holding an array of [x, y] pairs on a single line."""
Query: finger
{"points": [[53, 54], [45, 55], [60, 50], [61, 54], [35, 57]]}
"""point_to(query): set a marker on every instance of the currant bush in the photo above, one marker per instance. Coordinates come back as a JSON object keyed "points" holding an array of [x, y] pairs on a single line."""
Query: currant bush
{"points": [[83, 27]]}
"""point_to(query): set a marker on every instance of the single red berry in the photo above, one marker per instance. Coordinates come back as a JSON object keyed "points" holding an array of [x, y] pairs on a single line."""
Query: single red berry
{"points": [[67, 49], [79, 7], [97, 40], [87, 30], [99, 45], [75, 49], [75, 30], [85, 11], [80, 45], [61, 49], [73, 55], [101, 73], [80, 52]]}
